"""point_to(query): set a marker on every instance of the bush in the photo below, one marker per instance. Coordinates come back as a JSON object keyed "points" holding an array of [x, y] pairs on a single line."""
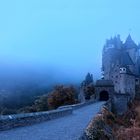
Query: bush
{"points": [[131, 128], [61, 96], [131, 133], [100, 128], [27, 109], [6, 111], [89, 90], [41, 104], [58, 97]]}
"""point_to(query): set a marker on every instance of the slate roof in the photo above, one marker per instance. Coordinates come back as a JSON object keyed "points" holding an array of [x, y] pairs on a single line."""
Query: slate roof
{"points": [[129, 43], [128, 71], [122, 57], [125, 59]]}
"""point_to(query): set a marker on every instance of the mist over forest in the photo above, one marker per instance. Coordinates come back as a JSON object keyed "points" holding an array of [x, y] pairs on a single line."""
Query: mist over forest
{"points": [[19, 76], [48, 43]]}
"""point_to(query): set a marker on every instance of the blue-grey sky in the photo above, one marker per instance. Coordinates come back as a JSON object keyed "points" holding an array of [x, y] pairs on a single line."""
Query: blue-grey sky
{"points": [[66, 36]]}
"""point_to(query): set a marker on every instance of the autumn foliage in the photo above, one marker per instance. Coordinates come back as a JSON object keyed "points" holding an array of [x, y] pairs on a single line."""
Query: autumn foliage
{"points": [[108, 126], [131, 128], [61, 96], [88, 86]]}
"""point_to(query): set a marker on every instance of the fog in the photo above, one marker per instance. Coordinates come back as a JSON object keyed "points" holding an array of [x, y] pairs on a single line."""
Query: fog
{"points": [[49, 42]]}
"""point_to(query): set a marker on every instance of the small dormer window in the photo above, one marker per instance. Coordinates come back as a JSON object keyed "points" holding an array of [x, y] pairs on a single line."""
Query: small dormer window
{"points": [[122, 70]]}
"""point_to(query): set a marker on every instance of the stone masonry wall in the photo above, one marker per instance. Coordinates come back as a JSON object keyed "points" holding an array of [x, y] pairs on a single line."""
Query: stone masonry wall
{"points": [[12, 121]]}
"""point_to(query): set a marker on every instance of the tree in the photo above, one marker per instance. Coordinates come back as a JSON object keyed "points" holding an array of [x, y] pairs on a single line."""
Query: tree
{"points": [[61, 96], [89, 79], [88, 86]]}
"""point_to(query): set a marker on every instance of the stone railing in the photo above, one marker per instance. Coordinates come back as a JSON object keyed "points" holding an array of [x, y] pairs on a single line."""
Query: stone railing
{"points": [[77, 106], [12, 121]]}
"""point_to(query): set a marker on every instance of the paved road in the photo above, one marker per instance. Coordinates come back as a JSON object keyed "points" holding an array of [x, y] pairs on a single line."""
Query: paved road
{"points": [[66, 128]]}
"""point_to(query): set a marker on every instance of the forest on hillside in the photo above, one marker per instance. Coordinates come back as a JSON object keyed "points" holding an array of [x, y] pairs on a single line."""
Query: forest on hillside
{"points": [[35, 99]]}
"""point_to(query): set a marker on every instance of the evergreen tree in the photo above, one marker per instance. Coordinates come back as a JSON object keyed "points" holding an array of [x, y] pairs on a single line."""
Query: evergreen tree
{"points": [[89, 79], [88, 86]]}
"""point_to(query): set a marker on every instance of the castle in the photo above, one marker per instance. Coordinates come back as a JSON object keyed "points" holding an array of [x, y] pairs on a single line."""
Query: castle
{"points": [[120, 73], [121, 64]]}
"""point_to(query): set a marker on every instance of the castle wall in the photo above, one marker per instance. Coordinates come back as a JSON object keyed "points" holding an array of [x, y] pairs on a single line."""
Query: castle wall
{"points": [[120, 103], [106, 59], [127, 84], [123, 82], [115, 77], [109, 89]]}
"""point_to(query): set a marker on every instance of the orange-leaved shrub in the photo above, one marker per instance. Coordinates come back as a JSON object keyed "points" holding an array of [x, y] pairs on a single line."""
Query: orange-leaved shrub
{"points": [[131, 128], [61, 96]]}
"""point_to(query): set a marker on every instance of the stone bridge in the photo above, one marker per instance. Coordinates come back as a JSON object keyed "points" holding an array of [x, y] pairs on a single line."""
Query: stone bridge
{"points": [[69, 127]]}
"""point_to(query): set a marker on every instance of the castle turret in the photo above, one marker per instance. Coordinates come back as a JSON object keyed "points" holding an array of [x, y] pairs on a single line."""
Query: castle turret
{"points": [[117, 42], [110, 53], [132, 49]]}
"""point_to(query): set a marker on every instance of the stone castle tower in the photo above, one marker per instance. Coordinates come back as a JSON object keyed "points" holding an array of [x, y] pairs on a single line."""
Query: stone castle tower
{"points": [[121, 64]]}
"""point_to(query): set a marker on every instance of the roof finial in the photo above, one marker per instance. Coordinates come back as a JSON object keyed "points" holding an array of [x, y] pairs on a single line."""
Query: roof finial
{"points": [[130, 30]]}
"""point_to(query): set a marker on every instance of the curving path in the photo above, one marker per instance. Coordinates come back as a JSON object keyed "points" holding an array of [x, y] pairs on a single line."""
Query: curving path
{"points": [[66, 128]]}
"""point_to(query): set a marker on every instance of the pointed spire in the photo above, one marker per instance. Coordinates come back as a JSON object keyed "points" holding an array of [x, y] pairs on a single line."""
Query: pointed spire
{"points": [[129, 43], [129, 39]]}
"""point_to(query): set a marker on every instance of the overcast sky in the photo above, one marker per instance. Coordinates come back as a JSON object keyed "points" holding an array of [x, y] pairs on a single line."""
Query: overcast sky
{"points": [[66, 36]]}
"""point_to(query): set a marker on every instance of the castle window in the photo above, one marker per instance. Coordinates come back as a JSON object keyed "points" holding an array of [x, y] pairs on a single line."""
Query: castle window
{"points": [[124, 69], [121, 69]]}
